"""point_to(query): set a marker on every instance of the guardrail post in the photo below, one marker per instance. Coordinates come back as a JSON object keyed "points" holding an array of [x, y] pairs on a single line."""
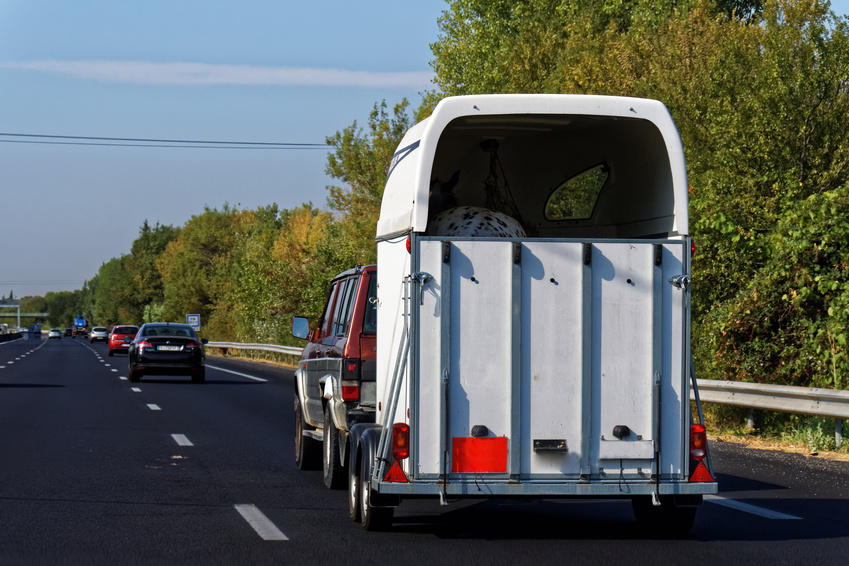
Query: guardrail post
{"points": [[750, 422], [838, 432]]}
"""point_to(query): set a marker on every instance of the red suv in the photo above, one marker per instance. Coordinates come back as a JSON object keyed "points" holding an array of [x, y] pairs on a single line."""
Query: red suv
{"points": [[117, 335], [335, 379]]}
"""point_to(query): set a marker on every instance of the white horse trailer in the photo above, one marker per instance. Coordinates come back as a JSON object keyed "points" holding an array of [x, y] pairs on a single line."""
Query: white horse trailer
{"points": [[553, 361]]}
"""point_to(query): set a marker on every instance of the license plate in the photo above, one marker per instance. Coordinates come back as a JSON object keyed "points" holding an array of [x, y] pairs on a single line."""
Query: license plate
{"points": [[169, 348]]}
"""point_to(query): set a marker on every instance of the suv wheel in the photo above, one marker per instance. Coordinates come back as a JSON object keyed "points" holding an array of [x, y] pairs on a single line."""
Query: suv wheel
{"points": [[331, 463], [306, 448]]}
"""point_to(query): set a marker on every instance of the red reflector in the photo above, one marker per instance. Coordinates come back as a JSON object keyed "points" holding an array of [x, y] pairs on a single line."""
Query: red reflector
{"points": [[479, 455], [395, 474], [692, 248], [701, 473], [352, 365], [401, 441], [408, 244], [350, 392]]}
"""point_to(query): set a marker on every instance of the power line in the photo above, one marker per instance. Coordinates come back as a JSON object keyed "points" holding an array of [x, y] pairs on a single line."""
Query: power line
{"points": [[149, 142]]}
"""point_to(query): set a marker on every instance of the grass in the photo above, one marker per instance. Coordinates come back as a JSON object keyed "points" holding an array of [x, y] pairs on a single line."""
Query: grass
{"points": [[803, 434]]}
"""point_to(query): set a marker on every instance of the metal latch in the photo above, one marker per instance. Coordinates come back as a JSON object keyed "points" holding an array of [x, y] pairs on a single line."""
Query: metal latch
{"points": [[422, 278], [681, 281]]}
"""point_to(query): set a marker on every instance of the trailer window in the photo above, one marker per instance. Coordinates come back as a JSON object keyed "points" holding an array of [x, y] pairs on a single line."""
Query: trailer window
{"points": [[575, 198]]}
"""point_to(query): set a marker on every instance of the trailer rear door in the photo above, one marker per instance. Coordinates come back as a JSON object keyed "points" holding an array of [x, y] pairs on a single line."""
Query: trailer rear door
{"points": [[550, 360]]}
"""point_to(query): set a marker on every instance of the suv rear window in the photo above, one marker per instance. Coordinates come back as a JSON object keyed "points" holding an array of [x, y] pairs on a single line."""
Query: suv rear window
{"points": [[370, 315]]}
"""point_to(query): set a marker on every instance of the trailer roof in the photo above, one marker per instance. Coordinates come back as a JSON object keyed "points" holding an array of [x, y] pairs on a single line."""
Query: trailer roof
{"points": [[542, 141]]}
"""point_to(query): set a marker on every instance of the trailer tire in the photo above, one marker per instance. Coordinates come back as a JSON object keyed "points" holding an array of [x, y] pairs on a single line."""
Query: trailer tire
{"points": [[666, 518], [354, 490], [306, 449], [331, 462], [373, 518]]}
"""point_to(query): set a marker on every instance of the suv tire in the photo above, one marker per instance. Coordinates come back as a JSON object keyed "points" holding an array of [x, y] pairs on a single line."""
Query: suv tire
{"points": [[334, 476], [307, 450]]}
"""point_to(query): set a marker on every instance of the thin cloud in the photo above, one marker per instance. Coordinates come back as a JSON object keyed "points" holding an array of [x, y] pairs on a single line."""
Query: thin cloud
{"points": [[149, 73]]}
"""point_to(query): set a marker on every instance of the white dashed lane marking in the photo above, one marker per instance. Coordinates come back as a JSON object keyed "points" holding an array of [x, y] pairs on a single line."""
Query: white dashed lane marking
{"points": [[181, 440], [135, 390], [153, 407], [260, 523]]}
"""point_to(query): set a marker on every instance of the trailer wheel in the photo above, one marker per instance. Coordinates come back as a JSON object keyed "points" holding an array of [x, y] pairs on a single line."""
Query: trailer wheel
{"points": [[354, 490], [374, 518], [331, 462], [666, 518], [306, 449]]}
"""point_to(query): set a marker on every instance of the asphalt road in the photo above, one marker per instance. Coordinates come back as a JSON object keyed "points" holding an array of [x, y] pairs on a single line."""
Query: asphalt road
{"points": [[97, 470]]}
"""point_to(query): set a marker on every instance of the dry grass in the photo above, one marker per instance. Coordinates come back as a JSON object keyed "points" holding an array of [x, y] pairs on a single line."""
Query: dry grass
{"points": [[760, 443]]}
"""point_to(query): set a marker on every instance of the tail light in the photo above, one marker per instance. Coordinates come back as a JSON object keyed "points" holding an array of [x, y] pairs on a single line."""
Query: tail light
{"points": [[692, 248], [401, 441], [350, 391], [350, 379], [698, 441], [144, 344]]}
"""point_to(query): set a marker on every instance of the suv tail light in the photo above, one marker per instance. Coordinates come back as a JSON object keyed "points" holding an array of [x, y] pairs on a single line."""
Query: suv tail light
{"points": [[401, 441], [350, 391]]}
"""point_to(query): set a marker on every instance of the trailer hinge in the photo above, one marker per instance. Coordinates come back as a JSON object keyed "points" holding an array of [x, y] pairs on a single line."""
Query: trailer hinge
{"points": [[446, 252], [658, 254], [517, 253], [588, 253]]}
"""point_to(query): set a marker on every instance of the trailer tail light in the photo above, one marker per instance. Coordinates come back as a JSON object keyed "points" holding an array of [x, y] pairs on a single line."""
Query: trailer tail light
{"points": [[698, 451], [692, 248], [408, 244], [698, 441], [401, 441]]}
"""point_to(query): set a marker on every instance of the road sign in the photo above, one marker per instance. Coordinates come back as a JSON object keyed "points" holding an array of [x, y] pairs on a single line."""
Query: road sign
{"points": [[193, 320]]}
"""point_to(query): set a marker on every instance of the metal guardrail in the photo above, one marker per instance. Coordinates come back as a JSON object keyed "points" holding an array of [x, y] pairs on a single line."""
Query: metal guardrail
{"points": [[288, 354], [829, 403]]}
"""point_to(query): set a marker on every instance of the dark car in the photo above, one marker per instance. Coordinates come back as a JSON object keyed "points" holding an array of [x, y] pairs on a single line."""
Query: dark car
{"points": [[166, 348], [69, 332], [117, 335]]}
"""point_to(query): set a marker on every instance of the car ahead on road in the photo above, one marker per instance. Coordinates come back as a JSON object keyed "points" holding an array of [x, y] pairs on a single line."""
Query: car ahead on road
{"points": [[54, 333], [98, 334], [69, 332], [166, 348], [117, 335]]}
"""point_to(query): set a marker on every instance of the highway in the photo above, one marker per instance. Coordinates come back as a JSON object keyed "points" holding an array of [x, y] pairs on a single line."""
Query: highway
{"points": [[98, 470]]}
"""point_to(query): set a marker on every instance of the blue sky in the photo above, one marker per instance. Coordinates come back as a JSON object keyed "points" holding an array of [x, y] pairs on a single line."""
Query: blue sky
{"points": [[251, 71]]}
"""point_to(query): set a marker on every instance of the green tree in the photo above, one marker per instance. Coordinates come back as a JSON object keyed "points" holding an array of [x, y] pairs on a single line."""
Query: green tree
{"points": [[361, 160]]}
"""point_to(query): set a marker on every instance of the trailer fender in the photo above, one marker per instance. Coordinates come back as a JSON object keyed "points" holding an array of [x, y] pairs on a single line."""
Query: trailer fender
{"points": [[363, 440]]}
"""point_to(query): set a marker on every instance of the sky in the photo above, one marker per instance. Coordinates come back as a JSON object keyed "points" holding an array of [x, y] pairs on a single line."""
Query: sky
{"points": [[274, 71], [259, 71]]}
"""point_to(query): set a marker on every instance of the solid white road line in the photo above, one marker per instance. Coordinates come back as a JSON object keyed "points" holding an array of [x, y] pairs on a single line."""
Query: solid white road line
{"points": [[153, 407], [260, 523], [746, 508], [181, 440], [237, 373]]}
